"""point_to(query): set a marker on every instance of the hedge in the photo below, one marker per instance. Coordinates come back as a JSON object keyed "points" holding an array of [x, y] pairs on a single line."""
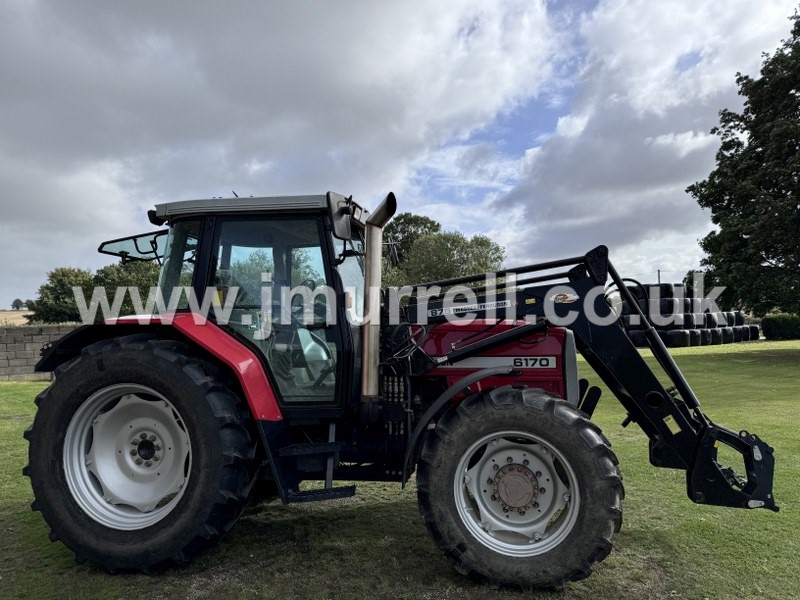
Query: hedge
{"points": [[781, 327]]}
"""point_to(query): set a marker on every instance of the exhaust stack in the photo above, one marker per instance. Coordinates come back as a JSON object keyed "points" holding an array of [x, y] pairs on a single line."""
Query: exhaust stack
{"points": [[370, 347]]}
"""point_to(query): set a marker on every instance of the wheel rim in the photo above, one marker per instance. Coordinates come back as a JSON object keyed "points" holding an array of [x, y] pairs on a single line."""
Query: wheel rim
{"points": [[516, 493], [127, 456]]}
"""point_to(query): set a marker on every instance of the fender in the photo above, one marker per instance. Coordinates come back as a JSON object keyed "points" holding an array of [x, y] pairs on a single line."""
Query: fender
{"points": [[450, 393], [193, 328]]}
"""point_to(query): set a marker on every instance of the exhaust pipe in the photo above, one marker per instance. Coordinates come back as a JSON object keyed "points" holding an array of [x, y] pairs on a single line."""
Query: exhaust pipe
{"points": [[371, 329]]}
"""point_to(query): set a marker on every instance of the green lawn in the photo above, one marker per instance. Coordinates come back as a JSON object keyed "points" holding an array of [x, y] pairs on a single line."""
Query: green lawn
{"points": [[374, 545]]}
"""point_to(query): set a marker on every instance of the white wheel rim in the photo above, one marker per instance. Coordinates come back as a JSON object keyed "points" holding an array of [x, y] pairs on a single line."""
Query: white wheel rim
{"points": [[516, 493], [127, 457]]}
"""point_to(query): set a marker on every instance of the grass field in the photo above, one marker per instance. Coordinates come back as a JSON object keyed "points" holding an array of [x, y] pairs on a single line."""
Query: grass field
{"points": [[375, 546], [13, 317]]}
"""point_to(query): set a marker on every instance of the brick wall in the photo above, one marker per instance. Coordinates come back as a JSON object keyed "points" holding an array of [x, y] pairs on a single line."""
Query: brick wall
{"points": [[19, 350]]}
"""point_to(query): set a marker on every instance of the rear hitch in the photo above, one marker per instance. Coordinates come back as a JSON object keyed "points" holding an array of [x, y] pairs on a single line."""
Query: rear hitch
{"points": [[709, 482]]}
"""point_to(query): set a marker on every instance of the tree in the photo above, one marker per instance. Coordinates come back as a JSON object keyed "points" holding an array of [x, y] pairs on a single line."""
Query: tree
{"points": [[405, 229], [754, 191], [725, 301], [435, 256], [139, 274], [56, 301], [17, 304]]}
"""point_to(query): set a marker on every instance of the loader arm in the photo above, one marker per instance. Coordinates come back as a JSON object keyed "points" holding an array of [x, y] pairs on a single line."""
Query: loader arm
{"points": [[681, 435]]}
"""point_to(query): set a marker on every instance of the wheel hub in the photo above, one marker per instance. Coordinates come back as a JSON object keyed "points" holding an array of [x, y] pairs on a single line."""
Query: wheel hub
{"points": [[147, 447], [511, 496], [515, 487]]}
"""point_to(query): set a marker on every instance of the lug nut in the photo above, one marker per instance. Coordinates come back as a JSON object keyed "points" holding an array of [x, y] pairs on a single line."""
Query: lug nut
{"points": [[143, 436], [538, 473], [148, 464], [490, 481], [156, 457], [526, 462], [542, 490], [522, 513], [138, 461], [158, 446], [135, 442], [509, 460], [495, 467], [133, 452], [494, 498], [535, 505], [152, 438]]}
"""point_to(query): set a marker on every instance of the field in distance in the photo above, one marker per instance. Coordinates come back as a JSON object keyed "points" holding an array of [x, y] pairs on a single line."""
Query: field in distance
{"points": [[13, 317]]}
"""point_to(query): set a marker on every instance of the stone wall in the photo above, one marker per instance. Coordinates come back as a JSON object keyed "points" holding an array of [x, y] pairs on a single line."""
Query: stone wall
{"points": [[19, 350]]}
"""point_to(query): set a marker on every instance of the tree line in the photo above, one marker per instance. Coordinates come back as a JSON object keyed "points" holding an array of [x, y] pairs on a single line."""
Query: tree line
{"points": [[19, 304], [55, 299]]}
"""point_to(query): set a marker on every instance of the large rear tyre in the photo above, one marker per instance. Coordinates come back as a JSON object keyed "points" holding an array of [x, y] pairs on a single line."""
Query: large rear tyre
{"points": [[140, 455], [519, 488]]}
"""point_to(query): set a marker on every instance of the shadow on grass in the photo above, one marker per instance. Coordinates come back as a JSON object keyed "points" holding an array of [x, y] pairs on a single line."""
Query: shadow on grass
{"points": [[370, 546]]}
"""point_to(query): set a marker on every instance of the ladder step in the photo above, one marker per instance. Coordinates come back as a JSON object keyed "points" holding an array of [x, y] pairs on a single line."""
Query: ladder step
{"points": [[322, 494], [311, 448]]}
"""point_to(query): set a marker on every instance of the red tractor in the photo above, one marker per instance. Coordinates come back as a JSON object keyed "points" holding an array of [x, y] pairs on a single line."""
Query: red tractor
{"points": [[159, 429]]}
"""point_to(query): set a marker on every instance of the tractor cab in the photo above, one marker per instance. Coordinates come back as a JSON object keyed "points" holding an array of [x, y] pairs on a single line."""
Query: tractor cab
{"points": [[284, 275]]}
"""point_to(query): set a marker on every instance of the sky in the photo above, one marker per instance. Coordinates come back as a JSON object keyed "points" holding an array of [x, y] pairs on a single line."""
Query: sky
{"points": [[550, 126]]}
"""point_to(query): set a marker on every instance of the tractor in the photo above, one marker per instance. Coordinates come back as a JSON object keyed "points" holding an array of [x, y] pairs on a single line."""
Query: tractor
{"points": [[272, 363]]}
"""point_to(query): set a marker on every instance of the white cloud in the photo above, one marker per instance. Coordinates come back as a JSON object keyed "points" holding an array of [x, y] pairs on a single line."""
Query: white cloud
{"points": [[571, 125], [684, 143], [652, 81], [107, 108]]}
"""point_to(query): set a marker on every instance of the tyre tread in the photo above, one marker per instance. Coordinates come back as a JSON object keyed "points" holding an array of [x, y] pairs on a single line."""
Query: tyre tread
{"points": [[539, 403], [234, 428]]}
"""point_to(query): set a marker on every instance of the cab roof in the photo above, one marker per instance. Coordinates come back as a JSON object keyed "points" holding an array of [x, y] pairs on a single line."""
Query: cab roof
{"points": [[185, 208]]}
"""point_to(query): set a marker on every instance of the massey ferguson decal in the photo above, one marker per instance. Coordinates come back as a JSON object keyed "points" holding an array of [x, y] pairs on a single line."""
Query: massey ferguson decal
{"points": [[468, 308]]}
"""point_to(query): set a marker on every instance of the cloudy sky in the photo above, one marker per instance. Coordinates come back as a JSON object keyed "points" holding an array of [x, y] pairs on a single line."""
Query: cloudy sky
{"points": [[551, 126]]}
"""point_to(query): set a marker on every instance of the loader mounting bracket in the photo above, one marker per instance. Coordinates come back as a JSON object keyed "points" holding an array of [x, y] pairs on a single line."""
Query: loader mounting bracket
{"points": [[709, 482]]}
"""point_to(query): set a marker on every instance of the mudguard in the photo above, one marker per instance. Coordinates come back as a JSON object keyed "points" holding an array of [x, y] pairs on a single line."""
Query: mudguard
{"points": [[195, 329]]}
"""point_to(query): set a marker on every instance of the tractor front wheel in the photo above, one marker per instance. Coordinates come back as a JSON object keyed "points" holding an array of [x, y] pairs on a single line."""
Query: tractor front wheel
{"points": [[140, 454], [519, 488]]}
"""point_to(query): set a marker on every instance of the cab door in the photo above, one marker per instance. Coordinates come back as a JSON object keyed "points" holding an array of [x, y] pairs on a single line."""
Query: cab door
{"points": [[275, 272]]}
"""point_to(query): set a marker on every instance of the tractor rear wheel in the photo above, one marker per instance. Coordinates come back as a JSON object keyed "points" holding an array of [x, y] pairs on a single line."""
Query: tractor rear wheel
{"points": [[140, 454], [519, 488]]}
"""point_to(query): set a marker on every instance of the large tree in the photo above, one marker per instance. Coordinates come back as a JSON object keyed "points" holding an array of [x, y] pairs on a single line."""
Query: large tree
{"points": [[139, 274], [56, 302], [17, 304], [754, 191], [56, 299], [404, 229], [437, 256]]}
